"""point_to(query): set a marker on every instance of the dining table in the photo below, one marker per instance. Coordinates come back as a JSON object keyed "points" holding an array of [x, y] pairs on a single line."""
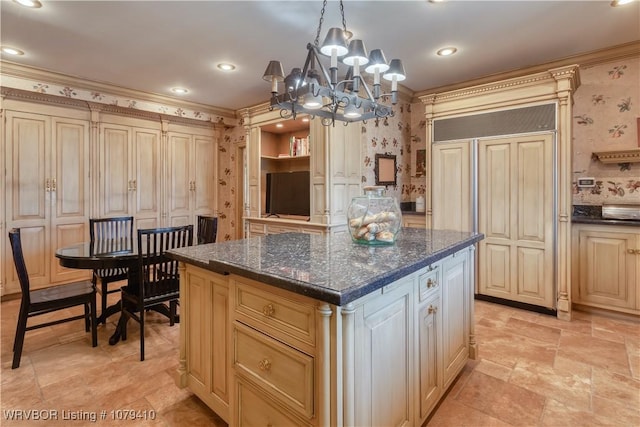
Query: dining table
{"points": [[107, 254]]}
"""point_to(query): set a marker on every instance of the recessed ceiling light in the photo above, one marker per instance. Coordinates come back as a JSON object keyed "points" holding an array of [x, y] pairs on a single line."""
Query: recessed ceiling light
{"points": [[306, 119], [179, 90], [279, 125], [11, 51], [225, 66], [615, 3], [446, 51], [29, 3]]}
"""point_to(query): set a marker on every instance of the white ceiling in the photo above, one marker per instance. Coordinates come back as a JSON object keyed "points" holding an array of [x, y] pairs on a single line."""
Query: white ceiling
{"points": [[155, 45]]}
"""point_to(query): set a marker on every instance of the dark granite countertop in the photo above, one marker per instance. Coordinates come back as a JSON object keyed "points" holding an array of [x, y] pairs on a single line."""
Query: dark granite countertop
{"points": [[592, 214], [332, 269]]}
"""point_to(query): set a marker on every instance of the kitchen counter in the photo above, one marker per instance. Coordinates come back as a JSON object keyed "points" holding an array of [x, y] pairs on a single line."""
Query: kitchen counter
{"points": [[329, 268], [299, 329], [588, 214]]}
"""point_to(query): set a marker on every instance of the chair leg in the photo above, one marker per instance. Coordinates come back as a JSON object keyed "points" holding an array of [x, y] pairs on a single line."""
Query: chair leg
{"points": [[103, 294], [124, 320], [21, 328], [172, 312], [142, 334], [94, 322], [87, 317]]}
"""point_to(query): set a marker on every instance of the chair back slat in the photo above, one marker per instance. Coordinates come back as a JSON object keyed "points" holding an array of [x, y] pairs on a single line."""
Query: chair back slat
{"points": [[207, 229], [18, 260], [110, 235], [158, 274]]}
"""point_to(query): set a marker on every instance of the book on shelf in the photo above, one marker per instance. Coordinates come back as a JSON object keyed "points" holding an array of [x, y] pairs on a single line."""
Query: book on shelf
{"points": [[298, 146]]}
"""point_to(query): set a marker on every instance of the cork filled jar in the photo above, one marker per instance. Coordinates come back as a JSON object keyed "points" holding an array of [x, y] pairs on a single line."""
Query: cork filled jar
{"points": [[374, 219]]}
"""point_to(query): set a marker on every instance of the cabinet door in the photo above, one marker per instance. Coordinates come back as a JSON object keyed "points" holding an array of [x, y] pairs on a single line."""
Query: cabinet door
{"points": [[28, 195], [203, 175], [515, 211], [69, 190], [607, 269], [451, 197], [207, 308], [456, 295], [146, 178], [115, 170], [179, 186], [429, 320], [383, 344]]}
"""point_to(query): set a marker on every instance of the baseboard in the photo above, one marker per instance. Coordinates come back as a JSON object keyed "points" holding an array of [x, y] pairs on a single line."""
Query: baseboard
{"points": [[517, 304]]}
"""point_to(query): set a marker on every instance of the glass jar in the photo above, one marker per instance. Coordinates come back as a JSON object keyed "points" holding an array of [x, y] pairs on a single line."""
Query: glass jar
{"points": [[374, 219]]}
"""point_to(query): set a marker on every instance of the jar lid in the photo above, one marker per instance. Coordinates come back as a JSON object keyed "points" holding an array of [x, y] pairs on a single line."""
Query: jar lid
{"points": [[374, 190]]}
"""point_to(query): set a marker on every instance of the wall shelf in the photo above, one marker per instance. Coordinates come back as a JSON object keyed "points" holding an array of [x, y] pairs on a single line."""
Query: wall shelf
{"points": [[631, 155]]}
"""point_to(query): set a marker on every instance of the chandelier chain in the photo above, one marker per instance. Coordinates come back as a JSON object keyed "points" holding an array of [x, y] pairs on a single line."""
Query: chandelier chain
{"points": [[344, 22], [317, 40]]}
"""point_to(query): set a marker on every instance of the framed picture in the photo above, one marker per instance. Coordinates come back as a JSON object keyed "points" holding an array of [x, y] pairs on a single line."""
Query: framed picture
{"points": [[385, 169], [421, 163]]}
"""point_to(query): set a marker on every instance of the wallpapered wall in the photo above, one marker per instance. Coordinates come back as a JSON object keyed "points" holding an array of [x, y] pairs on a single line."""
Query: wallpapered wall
{"points": [[606, 109]]}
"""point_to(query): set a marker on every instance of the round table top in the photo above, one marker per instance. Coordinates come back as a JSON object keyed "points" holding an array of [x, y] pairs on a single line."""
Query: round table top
{"points": [[114, 253]]}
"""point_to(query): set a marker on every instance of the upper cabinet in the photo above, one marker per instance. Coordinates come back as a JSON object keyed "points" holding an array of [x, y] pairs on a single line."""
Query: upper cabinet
{"points": [[331, 155], [191, 183], [47, 191], [129, 177]]}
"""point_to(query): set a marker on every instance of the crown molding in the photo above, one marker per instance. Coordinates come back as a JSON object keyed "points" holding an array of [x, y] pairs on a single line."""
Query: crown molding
{"points": [[63, 101], [589, 59], [32, 73]]}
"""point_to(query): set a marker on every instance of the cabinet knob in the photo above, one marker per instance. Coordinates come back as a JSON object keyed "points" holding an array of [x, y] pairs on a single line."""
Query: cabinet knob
{"points": [[53, 184], [47, 185], [268, 310], [432, 309], [431, 283], [264, 365]]}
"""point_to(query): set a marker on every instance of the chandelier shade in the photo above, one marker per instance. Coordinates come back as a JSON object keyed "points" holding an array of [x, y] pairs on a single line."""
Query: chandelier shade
{"points": [[317, 91]]}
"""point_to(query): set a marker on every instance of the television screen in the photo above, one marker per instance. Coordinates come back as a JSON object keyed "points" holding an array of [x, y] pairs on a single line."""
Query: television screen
{"points": [[288, 193]]}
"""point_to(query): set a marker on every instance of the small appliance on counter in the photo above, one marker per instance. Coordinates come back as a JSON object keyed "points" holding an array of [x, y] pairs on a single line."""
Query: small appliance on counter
{"points": [[621, 211]]}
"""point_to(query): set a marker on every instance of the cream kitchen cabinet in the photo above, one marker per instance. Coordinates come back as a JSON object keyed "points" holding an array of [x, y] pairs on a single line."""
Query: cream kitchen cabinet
{"points": [[205, 304], [46, 191], [191, 184], [606, 265], [414, 220], [383, 358], [130, 173]]}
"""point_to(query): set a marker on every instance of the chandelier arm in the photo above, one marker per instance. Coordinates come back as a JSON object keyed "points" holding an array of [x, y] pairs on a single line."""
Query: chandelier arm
{"points": [[324, 4], [366, 89], [327, 78]]}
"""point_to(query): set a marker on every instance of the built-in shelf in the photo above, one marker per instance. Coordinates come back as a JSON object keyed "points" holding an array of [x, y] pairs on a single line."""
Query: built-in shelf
{"points": [[284, 158], [619, 156]]}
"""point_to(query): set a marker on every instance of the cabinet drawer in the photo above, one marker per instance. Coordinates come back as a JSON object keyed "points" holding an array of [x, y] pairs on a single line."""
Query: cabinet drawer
{"points": [[254, 410], [429, 282], [290, 316], [277, 229], [283, 372]]}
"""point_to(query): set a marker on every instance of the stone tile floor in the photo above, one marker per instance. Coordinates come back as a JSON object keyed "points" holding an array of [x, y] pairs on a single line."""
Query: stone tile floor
{"points": [[533, 370]]}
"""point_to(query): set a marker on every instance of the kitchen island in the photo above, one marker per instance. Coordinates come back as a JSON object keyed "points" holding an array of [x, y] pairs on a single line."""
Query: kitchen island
{"points": [[299, 329]]}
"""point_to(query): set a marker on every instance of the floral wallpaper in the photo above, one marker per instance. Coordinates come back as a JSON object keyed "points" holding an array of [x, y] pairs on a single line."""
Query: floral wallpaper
{"points": [[605, 116], [105, 98], [227, 184]]}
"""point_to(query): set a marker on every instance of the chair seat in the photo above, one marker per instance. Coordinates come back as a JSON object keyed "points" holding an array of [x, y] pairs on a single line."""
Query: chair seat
{"points": [[68, 291]]}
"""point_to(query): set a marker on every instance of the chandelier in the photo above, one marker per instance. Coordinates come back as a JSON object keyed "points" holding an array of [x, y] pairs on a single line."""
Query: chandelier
{"points": [[316, 92]]}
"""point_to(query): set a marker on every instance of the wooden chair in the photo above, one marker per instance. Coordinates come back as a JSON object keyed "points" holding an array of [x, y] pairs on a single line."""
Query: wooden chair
{"points": [[47, 300], [207, 229], [109, 233], [157, 281]]}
